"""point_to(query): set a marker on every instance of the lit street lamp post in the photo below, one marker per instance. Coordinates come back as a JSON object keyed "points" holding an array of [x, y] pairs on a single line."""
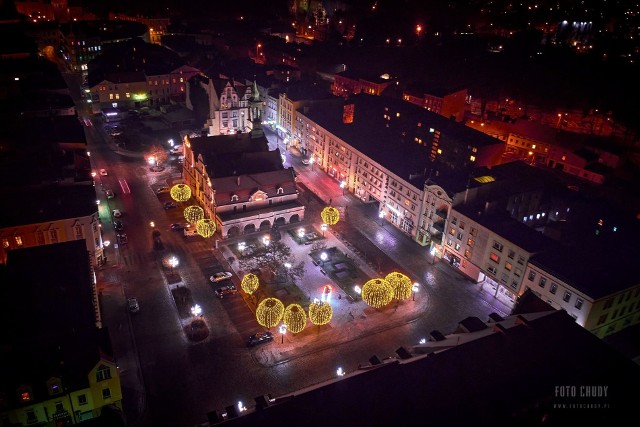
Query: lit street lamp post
{"points": [[343, 185], [283, 330], [196, 310], [323, 257], [414, 289], [381, 216], [323, 227], [312, 161], [358, 290], [173, 263]]}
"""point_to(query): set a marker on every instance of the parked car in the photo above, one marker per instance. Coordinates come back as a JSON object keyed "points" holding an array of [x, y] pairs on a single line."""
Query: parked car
{"points": [[259, 338], [117, 213], [226, 290], [122, 238], [132, 304], [118, 226], [103, 172], [190, 231], [110, 194], [156, 168], [220, 276], [305, 161], [163, 190], [177, 226], [170, 205]]}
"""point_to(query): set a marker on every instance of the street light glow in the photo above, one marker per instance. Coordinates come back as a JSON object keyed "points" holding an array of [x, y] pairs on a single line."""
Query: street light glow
{"points": [[301, 232], [323, 256], [340, 372], [196, 310], [173, 262], [358, 289]]}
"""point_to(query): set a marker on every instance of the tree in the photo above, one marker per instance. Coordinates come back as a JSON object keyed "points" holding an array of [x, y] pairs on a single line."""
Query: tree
{"points": [[158, 154], [274, 258]]}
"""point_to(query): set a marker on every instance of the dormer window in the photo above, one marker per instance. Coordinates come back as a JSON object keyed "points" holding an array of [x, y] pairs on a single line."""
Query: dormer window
{"points": [[24, 394], [54, 386], [234, 197], [280, 190]]}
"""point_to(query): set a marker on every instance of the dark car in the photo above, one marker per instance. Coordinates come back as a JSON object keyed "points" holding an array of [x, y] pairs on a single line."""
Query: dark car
{"points": [[118, 226], [226, 290], [122, 238], [260, 338], [170, 205], [177, 226]]}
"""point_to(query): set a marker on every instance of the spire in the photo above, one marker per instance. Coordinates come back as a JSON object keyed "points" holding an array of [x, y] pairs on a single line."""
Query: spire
{"points": [[256, 112]]}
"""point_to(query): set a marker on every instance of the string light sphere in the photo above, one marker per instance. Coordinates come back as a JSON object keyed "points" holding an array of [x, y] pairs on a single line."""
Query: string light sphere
{"points": [[377, 293], [330, 215], [320, 312], [206, 227], [401, 285], [295, 318], [250, 283], [180, 192], [193, 214], [269, 312]]}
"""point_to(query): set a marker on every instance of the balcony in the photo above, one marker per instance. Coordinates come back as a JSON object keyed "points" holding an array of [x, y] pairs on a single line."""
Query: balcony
{"points": [[442, 212], [439, 226]]}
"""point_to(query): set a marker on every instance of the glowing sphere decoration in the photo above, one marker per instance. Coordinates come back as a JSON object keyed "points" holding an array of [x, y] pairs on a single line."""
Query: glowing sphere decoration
{"points": [[320, 312], [180, 192], [250, 283], [206, 227], [330, 215], [269, 312], [401, 285], [295, 318], [193, 213], [377, 293]]}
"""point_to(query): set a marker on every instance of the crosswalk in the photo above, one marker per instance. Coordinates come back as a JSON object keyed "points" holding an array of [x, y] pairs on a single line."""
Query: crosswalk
{"points": [[198, 249]]}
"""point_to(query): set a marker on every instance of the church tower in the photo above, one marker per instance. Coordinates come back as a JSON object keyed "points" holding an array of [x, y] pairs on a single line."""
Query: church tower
{"points": [[255, 108]]}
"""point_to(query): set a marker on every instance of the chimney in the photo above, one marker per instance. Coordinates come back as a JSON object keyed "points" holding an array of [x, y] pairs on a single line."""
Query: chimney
{"points": [[348, 112]]}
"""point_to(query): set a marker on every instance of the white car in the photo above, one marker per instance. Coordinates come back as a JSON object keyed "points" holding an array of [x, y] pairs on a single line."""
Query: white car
{"points": [[110, 194], [220, 276], [305, 161], [117, 213], [103, 172]]}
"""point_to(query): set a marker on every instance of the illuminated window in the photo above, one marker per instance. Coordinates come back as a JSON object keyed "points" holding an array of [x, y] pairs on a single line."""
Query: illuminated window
{"points": [[117, 96], [439, 151], [128, 95], [472, 158], [18, 240], [25, 396], [493, 257], [5, 243], [110, 96], [508, 266], [470, 242]]}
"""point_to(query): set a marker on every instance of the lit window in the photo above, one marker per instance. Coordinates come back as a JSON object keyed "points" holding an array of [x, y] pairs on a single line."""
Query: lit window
{"points": [[472, 158], [128, 95], [508, 266], [439, 151], [494, 257], [18, 240], [25, 396]]}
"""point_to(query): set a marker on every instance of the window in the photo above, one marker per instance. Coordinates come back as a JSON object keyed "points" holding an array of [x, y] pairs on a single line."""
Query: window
{"points": [[602, 319], [518, 272], [470, 242], [31, 417], [567, 296], [82, 399], [53, 234], [491, 269], [234, 198], [579, 303], [514, 284], [521, 260], [542, 282], [103, 373], [608, 303], [512, 254], [459, 236], [497, 246], [5, 243], [467, 253], [106, 393], [532, 275], [280, 190], [18, 240], [614, 315], [508, 266], [457, 246], [495, 258], [554, 288], [462, 224], [59, 407], [474, 231], [454, 220]]}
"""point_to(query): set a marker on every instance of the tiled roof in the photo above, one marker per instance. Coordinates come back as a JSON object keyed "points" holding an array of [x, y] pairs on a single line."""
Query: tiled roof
{"points": [[244, 186]]}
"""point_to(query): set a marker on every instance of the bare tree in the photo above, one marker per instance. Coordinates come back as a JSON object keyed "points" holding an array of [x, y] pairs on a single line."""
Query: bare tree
{"points": [[274, 259], [158, 154]]}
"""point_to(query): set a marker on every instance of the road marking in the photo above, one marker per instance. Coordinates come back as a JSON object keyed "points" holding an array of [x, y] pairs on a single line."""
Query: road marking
{"points": [[124, 186]]}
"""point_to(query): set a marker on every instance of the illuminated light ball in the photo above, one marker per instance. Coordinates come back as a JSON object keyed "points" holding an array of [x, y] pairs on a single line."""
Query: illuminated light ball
{"points": [[180, 192], [193, 213], [250, 283], [295, 318], [206, 227], [330, 215], [320, 312], [269, 312], [401, 285], [377, 293]]}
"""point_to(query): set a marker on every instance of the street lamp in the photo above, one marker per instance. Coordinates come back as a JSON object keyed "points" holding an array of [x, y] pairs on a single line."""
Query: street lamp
{"points": [[283, 330], [343, 185], [312, 160], [301, 232], [196, 310], [241, 247], [173, 263], [152, 224], [323, 227], [358, 290], [340, 372], [415, 288], [266, 240], [381, 216], [323, 257]]}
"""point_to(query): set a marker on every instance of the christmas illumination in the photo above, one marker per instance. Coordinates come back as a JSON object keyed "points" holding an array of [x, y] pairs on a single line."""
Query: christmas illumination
{"points": [[377, 293], [330, 215], [193, 213], [180, 192], [250, 283], [269, 312], [320, 312], [295, 318], [206, 227], [401, 285]]}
